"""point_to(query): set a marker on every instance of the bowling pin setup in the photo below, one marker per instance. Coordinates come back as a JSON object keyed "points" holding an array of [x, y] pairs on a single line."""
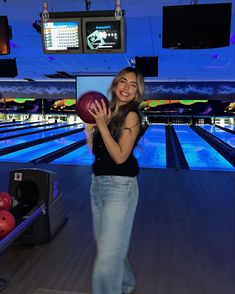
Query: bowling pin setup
{"points": [[32, 211]]}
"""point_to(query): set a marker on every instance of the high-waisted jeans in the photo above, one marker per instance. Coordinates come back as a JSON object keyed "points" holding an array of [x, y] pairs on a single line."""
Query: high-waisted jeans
{"points": [[113, 202]]}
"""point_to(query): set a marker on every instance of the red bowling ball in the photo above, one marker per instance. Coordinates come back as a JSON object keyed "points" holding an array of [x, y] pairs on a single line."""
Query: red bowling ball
{"points": [[84, 104], [7, 223], [6, 201]]}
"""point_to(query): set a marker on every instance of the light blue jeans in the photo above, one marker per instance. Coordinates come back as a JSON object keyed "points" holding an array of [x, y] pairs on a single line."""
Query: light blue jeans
{"points": [[113, 202]]}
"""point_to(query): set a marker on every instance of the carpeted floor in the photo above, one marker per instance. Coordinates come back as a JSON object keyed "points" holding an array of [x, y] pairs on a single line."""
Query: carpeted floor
{"points": [[50, 291]]}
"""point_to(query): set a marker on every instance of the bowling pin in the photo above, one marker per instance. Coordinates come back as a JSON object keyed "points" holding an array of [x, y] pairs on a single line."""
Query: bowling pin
{"points": [[118, 10], [45, 13]]}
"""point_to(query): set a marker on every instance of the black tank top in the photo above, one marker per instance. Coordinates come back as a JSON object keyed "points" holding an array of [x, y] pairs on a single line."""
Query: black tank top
{"points": [[105, 165]]}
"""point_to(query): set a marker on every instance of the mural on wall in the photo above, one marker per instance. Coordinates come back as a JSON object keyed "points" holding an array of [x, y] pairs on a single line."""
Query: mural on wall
{"points": [[21, 105], [39, 90], [190, 90], [37, 106], [59, 106], [216, 90]]}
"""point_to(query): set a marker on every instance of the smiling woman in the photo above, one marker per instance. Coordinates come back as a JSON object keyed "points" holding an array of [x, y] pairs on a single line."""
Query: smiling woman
{"points": [[114, 187]]}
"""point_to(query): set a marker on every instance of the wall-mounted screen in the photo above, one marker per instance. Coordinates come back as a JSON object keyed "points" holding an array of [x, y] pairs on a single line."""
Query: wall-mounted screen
{"points": [[22, 105], [59, 106], [62, 35], [103, 34], [93, 83], [4, 36], [196, 26]]}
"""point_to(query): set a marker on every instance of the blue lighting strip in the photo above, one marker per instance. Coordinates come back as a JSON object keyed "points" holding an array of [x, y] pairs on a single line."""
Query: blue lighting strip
{"points": [[10, 238]]}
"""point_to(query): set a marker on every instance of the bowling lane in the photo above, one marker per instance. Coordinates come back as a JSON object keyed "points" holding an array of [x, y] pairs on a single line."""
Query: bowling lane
{"points": [[28, 138], [13, 127], [150, 151], [19, 122], [229, 127], [39, 127], [199, 154], [226, 137], [31, 153], [80, 156], [11, 123]]}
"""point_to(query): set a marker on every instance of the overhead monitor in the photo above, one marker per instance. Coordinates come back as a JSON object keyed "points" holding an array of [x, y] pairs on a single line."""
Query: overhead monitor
{"points": [[147, 65], [62, 35], [4, 36], [103, 34], [197, 26]]}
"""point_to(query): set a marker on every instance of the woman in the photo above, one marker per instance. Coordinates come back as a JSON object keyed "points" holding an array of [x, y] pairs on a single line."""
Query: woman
{"points": [[114, 187]]}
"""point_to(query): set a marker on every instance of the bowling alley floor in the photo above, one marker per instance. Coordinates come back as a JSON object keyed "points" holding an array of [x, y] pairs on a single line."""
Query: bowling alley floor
{"points": [[182, 243], [46, 291]]}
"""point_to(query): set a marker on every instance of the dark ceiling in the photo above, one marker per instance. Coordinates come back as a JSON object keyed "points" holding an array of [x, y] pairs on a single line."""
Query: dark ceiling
{"points": [[144, 31]]}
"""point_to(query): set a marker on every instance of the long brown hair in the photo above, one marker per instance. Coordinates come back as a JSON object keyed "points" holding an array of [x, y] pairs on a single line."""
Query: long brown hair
{"points": [[117, 121]]}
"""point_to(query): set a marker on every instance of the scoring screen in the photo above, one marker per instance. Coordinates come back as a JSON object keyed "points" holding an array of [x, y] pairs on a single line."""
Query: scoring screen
{"points": [[61, 35]]}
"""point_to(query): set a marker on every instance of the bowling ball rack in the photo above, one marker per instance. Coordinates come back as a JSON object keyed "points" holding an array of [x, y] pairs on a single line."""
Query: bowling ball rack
{"points": [[22, 226], [39, 223]]}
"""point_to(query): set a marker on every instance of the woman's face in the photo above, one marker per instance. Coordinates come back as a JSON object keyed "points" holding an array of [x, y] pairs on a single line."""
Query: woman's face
{"points": [[126, 88]]}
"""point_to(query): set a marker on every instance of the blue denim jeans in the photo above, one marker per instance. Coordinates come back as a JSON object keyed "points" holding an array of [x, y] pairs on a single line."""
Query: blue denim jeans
{"points": [[113, 202]]}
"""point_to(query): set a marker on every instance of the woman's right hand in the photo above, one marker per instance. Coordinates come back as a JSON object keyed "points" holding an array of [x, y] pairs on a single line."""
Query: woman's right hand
{"points": [[89, 128], [101, 113]]}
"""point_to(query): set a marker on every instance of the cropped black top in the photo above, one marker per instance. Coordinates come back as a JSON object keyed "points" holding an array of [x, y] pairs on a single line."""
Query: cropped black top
{"points": [[105, 165]]}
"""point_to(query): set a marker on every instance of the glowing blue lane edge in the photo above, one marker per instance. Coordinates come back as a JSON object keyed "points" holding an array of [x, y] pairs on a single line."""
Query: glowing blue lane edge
{"points": [[226, 137], [27, 138], [198, 153], [151, 149], [12, 127], [19, 132], [11, 237], [80, 156], [30, 153]]}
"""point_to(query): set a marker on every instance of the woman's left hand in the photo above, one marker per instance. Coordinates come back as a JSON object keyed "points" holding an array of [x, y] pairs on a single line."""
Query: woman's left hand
{"points": [[100, 112]]}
